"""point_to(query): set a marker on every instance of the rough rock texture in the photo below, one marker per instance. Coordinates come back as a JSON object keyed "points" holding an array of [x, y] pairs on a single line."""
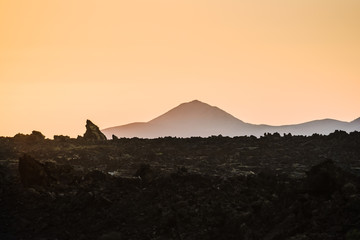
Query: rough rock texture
{"points": [[146, 173], [325, 178], [274, 188], [93, 132], [32, 172], [34, 137], [182, 205]]}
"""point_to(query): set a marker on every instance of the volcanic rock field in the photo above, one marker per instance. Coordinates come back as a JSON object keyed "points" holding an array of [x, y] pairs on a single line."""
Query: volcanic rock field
{"points": [[271, 187]]}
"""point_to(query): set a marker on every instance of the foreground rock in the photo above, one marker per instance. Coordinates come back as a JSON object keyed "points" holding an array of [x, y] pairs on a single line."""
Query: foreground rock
{"points": [[32, 172], [93, 132], [326, 178], [183, 205], [182, 188]]}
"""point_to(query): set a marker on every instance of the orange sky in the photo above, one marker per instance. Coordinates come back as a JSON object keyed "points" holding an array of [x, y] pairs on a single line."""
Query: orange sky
{"points": [[116, 62]]}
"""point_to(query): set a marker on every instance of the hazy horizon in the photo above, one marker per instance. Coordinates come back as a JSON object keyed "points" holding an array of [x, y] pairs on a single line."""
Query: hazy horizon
{"points": [[196, 118], [117, 62]]}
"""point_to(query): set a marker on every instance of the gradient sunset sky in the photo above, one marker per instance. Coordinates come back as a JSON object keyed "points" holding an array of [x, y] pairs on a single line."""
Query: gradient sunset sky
{"points": [[115, 62]]}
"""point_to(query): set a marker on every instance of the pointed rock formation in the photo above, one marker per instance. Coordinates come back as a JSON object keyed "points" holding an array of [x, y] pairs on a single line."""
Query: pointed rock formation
{"points": [[93, 132]]}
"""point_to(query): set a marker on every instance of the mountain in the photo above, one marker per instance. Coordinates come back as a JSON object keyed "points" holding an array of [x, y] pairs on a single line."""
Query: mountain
{"points": [[356, 121], [196, 118], [188, 119]]}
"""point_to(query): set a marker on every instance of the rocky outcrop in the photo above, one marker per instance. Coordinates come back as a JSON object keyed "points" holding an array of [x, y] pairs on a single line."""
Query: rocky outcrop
{"points": [[32, 172], [93, 132], [325, 178], [46, 174], [34, 137], [61, 138]]}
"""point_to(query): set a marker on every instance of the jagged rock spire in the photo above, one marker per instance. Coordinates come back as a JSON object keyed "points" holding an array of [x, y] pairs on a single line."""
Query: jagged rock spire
{"points": [[93, 132]]}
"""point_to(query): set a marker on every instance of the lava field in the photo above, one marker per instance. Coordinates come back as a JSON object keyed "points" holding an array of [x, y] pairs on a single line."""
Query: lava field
{"points": [[273, 187]]}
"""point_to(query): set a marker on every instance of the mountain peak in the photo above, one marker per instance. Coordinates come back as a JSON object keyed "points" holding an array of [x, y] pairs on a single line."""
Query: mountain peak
{"points": [[196, 118], [195, 110], [195, 102], [356, 120]]}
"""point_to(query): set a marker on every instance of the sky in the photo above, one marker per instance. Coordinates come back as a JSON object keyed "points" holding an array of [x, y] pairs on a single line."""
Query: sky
{"points": [[116, 62]]}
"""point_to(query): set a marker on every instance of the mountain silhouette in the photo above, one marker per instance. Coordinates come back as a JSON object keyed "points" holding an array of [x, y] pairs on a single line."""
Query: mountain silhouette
{"points": [[196, 118]]}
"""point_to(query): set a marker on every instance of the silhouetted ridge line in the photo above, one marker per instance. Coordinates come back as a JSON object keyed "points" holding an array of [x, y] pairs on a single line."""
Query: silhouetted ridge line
{"points": [[196, 118]]}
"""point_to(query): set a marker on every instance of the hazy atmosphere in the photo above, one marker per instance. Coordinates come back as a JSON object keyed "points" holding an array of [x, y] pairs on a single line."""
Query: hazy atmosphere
{"points": [[115, 62], [180, 119]]}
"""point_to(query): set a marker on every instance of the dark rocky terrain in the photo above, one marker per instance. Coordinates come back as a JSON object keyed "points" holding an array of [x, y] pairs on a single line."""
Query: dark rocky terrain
{"points": [[272, 187]]}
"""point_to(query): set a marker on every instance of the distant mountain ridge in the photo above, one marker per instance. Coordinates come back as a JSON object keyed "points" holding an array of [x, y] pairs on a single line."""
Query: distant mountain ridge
{"points": [[196, 118]]}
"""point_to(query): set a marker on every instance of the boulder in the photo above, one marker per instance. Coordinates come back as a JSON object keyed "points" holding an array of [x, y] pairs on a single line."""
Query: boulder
{"points": [[61, 138], [325, 178], [32, 172], [93, 132], [34, 137], [145, 172]]}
